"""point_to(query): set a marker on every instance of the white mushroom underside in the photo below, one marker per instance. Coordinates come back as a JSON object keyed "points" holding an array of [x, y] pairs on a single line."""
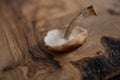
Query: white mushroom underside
{"points": [[55, 37]]}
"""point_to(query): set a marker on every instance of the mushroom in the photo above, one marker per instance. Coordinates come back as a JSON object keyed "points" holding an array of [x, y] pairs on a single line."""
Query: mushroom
{"points": [[71, 37]]}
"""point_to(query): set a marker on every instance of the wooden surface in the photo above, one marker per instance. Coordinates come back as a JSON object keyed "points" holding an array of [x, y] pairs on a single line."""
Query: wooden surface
{"points": [[20, 37]]}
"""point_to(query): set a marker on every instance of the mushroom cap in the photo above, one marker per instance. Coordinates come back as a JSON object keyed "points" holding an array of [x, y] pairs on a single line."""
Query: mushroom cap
{"points": [[55, 42]]}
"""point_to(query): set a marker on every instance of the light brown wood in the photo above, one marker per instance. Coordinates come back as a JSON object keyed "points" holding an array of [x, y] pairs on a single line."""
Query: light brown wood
{"points": [[24, 23]]}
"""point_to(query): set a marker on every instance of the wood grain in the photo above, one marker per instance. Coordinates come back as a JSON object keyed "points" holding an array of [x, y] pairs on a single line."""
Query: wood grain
{"points": [[24, 23]]}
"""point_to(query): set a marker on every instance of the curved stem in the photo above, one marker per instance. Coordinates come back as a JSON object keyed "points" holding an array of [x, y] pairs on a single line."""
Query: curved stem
{"points": [[80, 16]]}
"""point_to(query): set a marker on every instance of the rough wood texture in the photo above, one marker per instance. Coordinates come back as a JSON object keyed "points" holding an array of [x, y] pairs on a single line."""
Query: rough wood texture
{"points": [[24, 23], [101, 67]]}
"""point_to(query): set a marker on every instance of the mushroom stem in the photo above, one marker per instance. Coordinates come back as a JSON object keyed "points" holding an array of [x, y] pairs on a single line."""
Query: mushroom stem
{"points": [[80, 16]]}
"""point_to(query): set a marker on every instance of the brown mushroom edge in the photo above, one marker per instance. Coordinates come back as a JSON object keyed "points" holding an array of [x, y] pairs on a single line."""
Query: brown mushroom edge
{"points": [[72, 44]]}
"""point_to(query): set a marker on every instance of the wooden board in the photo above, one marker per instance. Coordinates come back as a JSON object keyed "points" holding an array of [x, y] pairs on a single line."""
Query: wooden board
{"points": [[18, 35]]}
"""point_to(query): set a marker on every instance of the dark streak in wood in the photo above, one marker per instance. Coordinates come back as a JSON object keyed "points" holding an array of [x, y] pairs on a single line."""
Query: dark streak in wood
{"points": [[100, 67], [113, 12]]}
